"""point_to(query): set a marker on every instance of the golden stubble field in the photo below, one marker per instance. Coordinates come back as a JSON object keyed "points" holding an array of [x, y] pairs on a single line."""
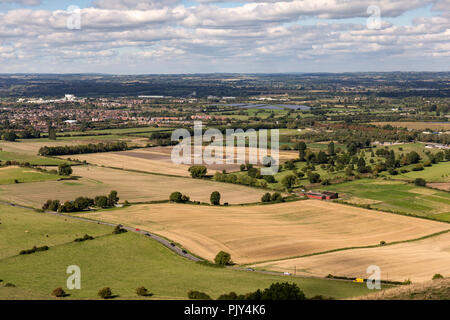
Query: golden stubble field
{"points": [[417, 261], [158, 159], [32, 146], [134, 187], [270, 232]]}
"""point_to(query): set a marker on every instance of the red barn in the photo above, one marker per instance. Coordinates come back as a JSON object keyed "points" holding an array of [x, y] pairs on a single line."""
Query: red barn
{"points": [[326, 195]]}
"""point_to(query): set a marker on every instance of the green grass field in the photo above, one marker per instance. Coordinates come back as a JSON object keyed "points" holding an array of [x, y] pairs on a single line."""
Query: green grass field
{"points": [[8, 175], [439, 172], [22, 229], [122, 262], [32, 159], [397, 196]]}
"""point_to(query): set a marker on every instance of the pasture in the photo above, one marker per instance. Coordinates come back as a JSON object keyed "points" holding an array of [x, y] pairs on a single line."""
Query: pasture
{"points": [[397, 196], [9, 175], [22, 229], [270, 232], [30, 158], [132, 186], [439, 172], [122, 262], [417, 261]]}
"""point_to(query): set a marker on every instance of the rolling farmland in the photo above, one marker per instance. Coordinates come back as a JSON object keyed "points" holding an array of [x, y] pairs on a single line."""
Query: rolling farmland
{"points": [[270, 232], [417, 261], [131, 186]]}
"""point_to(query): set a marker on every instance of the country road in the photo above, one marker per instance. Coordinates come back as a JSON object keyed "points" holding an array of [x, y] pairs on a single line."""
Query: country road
{"points": [[161, 240], [170, 245]]}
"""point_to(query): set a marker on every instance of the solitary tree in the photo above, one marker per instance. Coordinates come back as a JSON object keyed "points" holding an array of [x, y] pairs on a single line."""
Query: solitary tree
{"points": [[176, 196], [101, 201], [113, 198], [331, 151], [64, 169], [266, 197], [301, 150], [289, 181], [420, 182], [51, 133], [198, 171], [222, 258], [215, 198]]}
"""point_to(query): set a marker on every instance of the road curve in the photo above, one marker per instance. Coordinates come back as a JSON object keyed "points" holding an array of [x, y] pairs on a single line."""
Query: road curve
{"points": [[163, 241]]}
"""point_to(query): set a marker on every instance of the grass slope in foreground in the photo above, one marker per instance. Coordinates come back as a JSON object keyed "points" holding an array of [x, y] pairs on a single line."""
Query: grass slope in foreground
{"points": [[125, 262]]}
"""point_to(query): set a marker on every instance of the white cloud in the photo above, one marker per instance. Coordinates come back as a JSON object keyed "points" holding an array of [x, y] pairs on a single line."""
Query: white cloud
{"points": [[256, 36]]}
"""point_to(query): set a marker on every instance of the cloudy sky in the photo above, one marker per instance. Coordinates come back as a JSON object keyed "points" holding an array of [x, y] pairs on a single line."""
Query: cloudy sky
{"points": [[196, 36]]}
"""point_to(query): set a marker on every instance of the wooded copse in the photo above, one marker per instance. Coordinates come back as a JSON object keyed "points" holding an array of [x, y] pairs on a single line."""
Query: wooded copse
{"points": [[80, 149]]}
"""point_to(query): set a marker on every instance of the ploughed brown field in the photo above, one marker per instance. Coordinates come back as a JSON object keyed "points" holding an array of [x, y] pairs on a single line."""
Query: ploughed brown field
{"points": [[158, 159], [440, 185], [417, 261], [270, 232], [134, 187]]}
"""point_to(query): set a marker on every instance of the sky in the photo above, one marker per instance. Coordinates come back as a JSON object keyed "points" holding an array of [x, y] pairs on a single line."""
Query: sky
{"points": [[234, 36]]}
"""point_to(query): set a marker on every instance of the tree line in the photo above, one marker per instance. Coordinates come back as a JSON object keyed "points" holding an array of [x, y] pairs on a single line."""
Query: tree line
{"points": [[82, 203], [83, 148]]}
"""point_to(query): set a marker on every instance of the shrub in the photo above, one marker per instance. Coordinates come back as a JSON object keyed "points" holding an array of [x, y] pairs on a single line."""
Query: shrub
{"points": [[101, 202], [33, 250], [10, 285], [64, 169], [270, 179], [105, 293], [197, 295], [420, 182], [277, 197], [438, 276], [222, 258], [84, 238], [118, 230], [278, 291], [231, 296], [198, 171], [382, 243], [314, 177], [142, 291], [215, 198], [178, 197], [407, 281], [266, 198], [59, 293]]}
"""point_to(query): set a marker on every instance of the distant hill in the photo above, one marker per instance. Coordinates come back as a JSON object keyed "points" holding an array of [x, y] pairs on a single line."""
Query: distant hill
{"points": [[431, 290]]}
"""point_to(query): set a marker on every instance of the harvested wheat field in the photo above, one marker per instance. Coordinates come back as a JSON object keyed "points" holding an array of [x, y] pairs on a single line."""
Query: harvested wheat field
{"points": [[430, 290], [158, 159], [128, 160], [270, 232], [134, 187], [32, 146], [417, 261]]}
